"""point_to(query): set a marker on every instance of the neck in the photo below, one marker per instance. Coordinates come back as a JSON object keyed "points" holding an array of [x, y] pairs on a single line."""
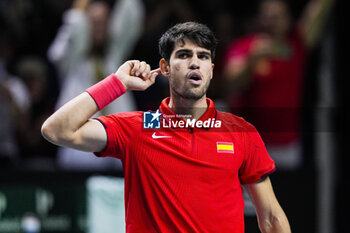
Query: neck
{"points": [[194, 109]]}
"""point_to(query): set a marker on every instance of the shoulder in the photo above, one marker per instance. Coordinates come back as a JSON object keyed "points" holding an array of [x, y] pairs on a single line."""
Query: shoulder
{"points": [[239, 124], [235, 122]]}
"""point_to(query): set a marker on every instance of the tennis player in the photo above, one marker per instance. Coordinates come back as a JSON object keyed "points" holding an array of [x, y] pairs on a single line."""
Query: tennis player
{"points": [[185, 166]]}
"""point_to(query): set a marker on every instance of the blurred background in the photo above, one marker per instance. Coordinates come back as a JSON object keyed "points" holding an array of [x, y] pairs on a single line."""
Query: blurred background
{"points": [[279, 64]]}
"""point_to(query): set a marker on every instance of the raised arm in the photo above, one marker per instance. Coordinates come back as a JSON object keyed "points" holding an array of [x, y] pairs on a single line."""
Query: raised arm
{"points": [[122, 37], [313, 19], [71, 41], [71, 126], [271, 217]]}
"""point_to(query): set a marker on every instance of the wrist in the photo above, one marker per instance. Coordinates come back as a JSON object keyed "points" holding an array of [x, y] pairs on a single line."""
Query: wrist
{"points": [[122, 80], [106, 91]]}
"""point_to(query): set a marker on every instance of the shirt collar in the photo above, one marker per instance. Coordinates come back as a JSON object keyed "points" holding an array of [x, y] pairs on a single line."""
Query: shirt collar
{"points": [[167, 112]]}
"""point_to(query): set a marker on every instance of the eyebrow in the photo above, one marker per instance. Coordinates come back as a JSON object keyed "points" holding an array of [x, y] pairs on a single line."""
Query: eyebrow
{"points": [[204, 53], [190, 51], [183, 51]]}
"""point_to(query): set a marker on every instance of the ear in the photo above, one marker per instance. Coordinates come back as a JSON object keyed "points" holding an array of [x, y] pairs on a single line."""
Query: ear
{"points": [[212, 70], [164, 67]]}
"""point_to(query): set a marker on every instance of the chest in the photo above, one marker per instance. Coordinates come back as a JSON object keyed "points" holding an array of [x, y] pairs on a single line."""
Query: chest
{"points": [[287, 63], [204, 155]]}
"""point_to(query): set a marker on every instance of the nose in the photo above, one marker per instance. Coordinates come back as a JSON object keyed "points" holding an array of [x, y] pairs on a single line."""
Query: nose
{"points": [[194, 63]]}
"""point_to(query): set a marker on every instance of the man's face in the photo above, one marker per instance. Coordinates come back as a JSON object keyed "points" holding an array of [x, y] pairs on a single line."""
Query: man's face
{"points": [[274, 17], [190, 70]]}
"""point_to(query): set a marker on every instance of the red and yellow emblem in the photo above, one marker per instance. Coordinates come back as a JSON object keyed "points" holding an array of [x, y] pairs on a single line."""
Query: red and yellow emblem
{"points": [[224, 147]]}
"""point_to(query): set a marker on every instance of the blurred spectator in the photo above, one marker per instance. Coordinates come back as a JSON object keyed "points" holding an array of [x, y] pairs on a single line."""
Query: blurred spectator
{"points": [[223, 25], [264, 73], [34, 72], [14, 103], [92, 42], [32, 24]]}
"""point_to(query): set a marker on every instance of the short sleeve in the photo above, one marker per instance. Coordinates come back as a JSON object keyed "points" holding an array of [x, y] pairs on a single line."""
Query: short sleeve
{"points": [[257, 163], [115, 137]]}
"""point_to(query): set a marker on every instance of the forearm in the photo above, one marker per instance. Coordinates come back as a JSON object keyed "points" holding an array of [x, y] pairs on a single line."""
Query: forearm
{"points": [[275, 224], [123, 38], [271, 217], [71, 41], [313, 20], [70, 126]]}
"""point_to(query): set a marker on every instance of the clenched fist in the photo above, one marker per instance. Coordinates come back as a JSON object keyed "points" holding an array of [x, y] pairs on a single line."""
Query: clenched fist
{"points": [[136, 75]]}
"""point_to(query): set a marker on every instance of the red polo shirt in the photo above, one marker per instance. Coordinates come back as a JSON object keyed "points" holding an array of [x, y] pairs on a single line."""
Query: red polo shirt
{"points": [[186, 179]]}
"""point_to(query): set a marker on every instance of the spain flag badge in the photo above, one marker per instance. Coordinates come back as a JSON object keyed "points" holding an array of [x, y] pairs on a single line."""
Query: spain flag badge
{"points": [[224, 147]]}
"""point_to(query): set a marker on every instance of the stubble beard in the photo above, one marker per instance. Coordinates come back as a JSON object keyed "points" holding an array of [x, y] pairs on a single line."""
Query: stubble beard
{"points": [[189, 93]]}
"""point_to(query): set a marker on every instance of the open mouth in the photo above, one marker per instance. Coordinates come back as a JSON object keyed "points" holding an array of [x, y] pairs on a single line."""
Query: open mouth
{"points": [[195, 78]]}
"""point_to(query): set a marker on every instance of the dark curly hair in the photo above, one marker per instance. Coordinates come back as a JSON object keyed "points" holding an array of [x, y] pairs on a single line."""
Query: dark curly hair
{"points": [[197, 33]]}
